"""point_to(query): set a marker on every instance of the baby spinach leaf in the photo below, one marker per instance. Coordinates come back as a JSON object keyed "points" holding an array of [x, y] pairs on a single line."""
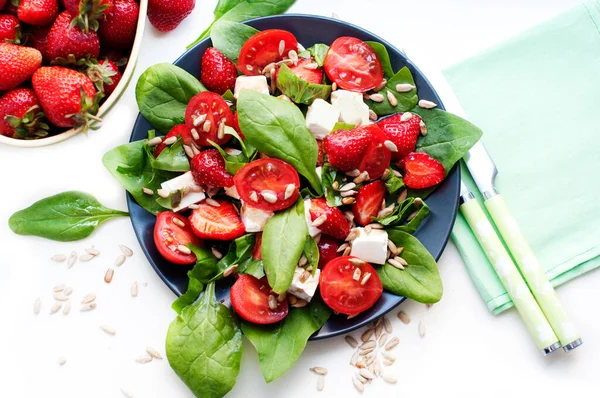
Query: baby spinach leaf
{"points": [[280, 345], [300, 91], [329, 175], [420, 280], [204, 347], [409, 207], [421, 211], [225, 5], [233, 163], [277, 128], [318, 52], [255, 268], [172, 158], [283, 242], [311, 252], [383, 56], [449, 137], [65, 217], [206, 267], [162, 93], [239, 252], [393, 183], [194, 289], [342, 126], [229, 37], [406, 101]]}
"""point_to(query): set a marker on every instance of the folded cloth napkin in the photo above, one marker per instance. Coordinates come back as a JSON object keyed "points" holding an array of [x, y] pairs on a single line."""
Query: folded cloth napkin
{"points": [[537, 99]]}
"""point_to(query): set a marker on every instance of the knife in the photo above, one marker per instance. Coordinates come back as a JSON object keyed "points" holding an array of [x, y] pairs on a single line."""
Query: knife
{"points": [[484, 171], [507, 271]]}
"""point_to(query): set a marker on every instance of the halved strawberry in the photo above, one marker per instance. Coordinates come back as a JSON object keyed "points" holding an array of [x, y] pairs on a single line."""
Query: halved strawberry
{"points": [[422, 171], [368, 202], [216, 222], [328, 247], [218, 73], [320, 155], [345, 148], [257, 251], [403, 134], [208, 168], [307, 74], [180, 129], [377, 156], [335, 225]]}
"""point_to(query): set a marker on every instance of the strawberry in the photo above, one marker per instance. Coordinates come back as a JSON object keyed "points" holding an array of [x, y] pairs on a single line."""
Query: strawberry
{"points": [[208, 168], [368, 202], [68, 97], [2, 3], [218, 73], [403, 134], [335, 225], [10, 8], [320, 153], [257, 251], [345, 148], [180, 129], [376, 157], [328, 247], [39, 40], [166, 15], [87, 13], [17, 64], [422, 171], [70, 44], [21, 115], [38, 12], [118, 29], [236, 126], [10, 29], [216, 222], [306, 74], [105, 74]]}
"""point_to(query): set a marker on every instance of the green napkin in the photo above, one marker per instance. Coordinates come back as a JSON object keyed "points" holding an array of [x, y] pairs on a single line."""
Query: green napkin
{"points": [[537, 99]]}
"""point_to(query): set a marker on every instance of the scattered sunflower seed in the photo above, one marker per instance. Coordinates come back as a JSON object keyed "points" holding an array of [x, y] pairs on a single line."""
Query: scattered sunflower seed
{"points": [[427, 104], [120, 260], [354, 359], [55, 308], [351, 341], [216, 253], [59, 258], [269, 196], [389, 356], [163, 193], [86, 257], [144, 359], [362, 177], [170, 141], [377, 97], [368, 344], [67, 308], [154, 141], [347, 187], [188, 149], [366, 373], [37, 306], [59, 288], [320, 383], [92, 251], [387, 325], [212, 202], [72, 259], [423, 128], [382, 340], [381, 85], [109, 330], [67, 291], [88, 298], [178, 222], [229, 270], [365, 278], [127, 393], [153, 353], [60, 296], [392, 98], [342, 247], [421, 328], [300, 303], [402, 196], [366, 336], [353, 173], [109, 275], [404, 87], [272, 302], [358, 385], [319, 370], [319, 221], [349, 200], [372, 115], [147, 191], [62, 360], [88, 307], [357, 274], [334, 86], [378, 329], [184, 249], [289, 191], [356, 261], [134, 289], [392, 343], [406, 116], [395, 263]]}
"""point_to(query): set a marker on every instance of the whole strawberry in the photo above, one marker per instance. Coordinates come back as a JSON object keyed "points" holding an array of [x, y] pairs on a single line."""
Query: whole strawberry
{"points": [[10, 29], [39, 40], [38, 12], [21, 115], [208, 168], [118, 28], [68, 97], [88, 13], [218, 73], [166, 15], [2, 4], [105, 74], [17, 64], [70, 44], [403, 134]]}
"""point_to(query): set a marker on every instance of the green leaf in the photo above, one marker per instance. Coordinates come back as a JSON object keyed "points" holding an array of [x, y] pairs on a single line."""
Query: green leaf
{"points": [[283, 242], [204, 347], [383, 56], [422, 211], [194, 289], [255, 268], [420, 280], [401, 214], [233, 163], [277, 128], [406, 101], [225, 5], [162, 93], [449, 137], [65, 217], [229, 37], [206, 267], [300, 91], [239, 252], [311, 252], [329, 175], [318, 52], [280, 345], [130, 166], [172, 158], [342, 126], [393, 183]]}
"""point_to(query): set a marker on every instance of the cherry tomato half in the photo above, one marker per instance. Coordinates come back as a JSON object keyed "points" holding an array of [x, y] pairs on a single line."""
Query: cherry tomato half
{"points": [[263, 48], [250, 299], [204, 113], [168, 236], [377, 156], [268, 178], [342, 293], [180, 129], [353, 65]]}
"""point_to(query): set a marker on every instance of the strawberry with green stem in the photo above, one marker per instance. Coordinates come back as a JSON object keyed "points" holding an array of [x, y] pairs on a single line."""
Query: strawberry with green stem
{"points": [[21, 115], [118, 29], [69, 44], [87, 14], [38, 12], [105, 74]]}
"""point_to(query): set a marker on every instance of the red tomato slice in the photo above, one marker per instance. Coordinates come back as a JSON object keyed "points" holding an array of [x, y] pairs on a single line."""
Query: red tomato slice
{"points": [[257, 251], [377, 157], [263, 48], [216, 222], [328, 247], [168, 236], [267, 177], [353, 65], [180, 129], [344, 294], [250, 299], [214, 110]]}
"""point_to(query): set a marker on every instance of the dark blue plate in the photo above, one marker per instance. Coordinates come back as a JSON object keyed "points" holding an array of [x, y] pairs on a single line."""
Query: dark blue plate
{"points": [[308, 29]]}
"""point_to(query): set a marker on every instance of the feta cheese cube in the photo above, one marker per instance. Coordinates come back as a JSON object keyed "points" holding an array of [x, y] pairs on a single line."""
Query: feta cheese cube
{"points": [[352, 108], [232, 192], [304, 290], [370, 247], [192, 193], [254, 219], [256, 83], [312, 230], [321, 117]]}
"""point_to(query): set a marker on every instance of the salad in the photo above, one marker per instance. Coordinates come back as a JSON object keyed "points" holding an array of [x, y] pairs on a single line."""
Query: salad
{"points": [[299, 177]]}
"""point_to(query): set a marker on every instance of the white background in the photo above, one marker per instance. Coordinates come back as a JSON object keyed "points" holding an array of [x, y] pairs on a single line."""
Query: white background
{"points": [[466, 352]]}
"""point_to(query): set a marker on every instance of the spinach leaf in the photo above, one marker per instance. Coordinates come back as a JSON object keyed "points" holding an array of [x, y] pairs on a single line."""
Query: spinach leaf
{"points": [[401, 214], [449, 137], [280, 345], [383, 56], [162, 93], [277, 128], [229, 37], [204, 347], [421, 211], [64, 217], [233, 163], [206, 267], [300, 91], [172, 158], [255, 268], [239, 252], [225, 5], [194, 289], [342, 126], [406, 101], [283, 242], [311, 252], [393, 183], [130, 166], [420, 280], [318, 52], [329, 175]]}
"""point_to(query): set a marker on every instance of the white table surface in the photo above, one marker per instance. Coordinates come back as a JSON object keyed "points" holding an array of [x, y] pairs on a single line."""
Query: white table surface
{"points": [[466, 352]]}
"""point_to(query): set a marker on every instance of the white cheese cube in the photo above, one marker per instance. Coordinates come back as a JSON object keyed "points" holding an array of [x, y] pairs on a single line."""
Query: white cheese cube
{"points": [[256, 83], [312, 230], [232, 192], [370, 247], [254, 219], [192, 193], [352, 108], [321, 117], [304, 290]]}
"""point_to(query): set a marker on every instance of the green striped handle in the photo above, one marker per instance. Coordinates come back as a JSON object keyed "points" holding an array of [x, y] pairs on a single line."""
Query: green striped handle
{"points": [[532, 270], [509, 275]]}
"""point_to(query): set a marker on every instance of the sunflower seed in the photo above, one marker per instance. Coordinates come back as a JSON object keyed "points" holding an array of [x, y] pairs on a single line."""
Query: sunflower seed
{"points": [[59, 258], [389, 356], [72, 259], [347, 187], [397, 173], [221, 131], [88, 307], [342, 247], [253, 196], [333, 86], [377, 97], [293, 300], [206, 126], [368, 344], [392, 98], [354, 359], [370, 359], [402, 196], [404, 87], [62, 360], [351, 341], [303, 261], [395, 263], [59, 288], [319, 221], [367, 374], [178, 222], [183, 249], [154, 141], [88, 298], [320, 383], [109, 330], [353, 173], [216, 253], [423, 128], [86, 257], [37, 306], [348, 200], [289, 191], [293, 56], [392, 246], [133, 290], [357, 261], [57, 306], [311, 66], [198, 120], [378, 329], [382, 340], [381, 85], [349, 193], [365, 278], [229, 270], [358, 385], [427, 104], [352, 235], [127, 393], [386, 212], [402, 261], [60, 296], [347, 251], [300, 303], [357, 274], [387, 325], [144, 359], [153, 353], [319, 370], [389, 378], [67, 291], [272, 302], [406, 116], [170, 141], [392, 343], [362, 177], [366, 336], [109, 275], [421, 328]]}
